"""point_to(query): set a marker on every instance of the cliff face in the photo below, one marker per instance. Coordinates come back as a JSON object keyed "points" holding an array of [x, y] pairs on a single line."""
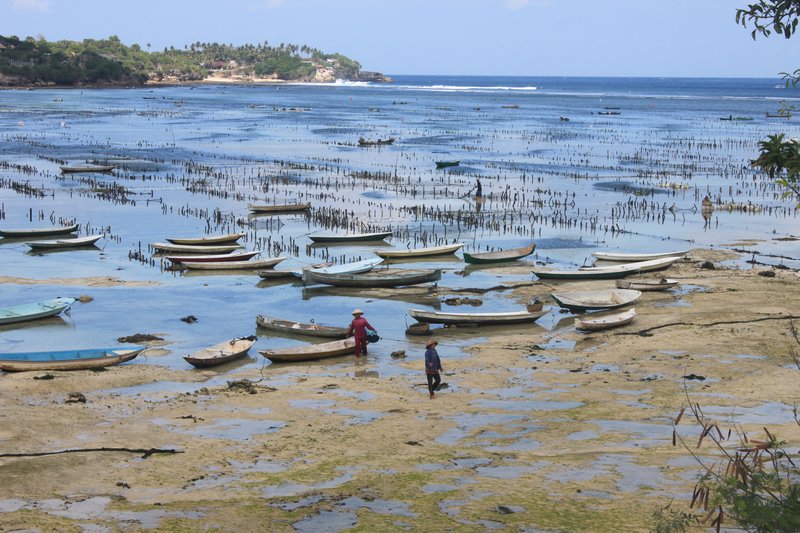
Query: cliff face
{"points": [[366, 75]]}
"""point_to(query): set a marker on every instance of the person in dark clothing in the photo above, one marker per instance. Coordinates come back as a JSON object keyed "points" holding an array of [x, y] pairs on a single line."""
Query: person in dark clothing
{"points": [[433, 365], [478, 189], [358, 330]]}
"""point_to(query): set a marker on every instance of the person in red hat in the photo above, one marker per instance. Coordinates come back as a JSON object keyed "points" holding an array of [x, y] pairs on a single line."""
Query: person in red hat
{"points": [[433, 365], [358, 330]]}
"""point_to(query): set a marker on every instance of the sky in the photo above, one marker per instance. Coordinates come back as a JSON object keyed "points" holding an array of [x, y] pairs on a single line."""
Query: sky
{"points": [[672, 38]]}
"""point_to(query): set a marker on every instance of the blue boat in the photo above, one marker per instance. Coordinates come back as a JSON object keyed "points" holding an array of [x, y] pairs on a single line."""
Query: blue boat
{"points": [[67, 359], [32, 311]]}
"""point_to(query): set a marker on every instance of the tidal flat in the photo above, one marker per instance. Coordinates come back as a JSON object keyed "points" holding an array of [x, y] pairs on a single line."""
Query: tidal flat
{"points": [[540, 427]]}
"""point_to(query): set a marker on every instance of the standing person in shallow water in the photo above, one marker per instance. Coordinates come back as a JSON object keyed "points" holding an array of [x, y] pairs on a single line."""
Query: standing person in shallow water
{"points": [[358, 330], [478, 189], [433, 365]]}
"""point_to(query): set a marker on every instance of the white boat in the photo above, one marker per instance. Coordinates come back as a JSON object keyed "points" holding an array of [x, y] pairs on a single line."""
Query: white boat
{"points": [[38, 232], [241, 256], [630, 257], [660, 284], [637, 266], [77, 242], [279, 208], [233, 265], [32, 311], [355, 267], [599, 299], [484, 319], [87, 168], [194, 248], [208, 240], [419, 252], [606, 321]]}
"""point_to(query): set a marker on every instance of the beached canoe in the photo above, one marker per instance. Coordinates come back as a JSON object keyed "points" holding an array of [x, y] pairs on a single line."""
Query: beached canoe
{"points": [[355, 237], [606, 273], [233, 265], [638, 266], [77, 242], [278, 208], [484, 319], [631, 257], [221, 353], [32, 311], [500, 256], [419, 252], [599, 299], [660, 284], [194, 248], [445, 164], [39, 232], [87, 168], [300, 328], [606, 321], [241, 256], [310, 352], [382, 278], [354, 267], [208, 240], [67, 359]]}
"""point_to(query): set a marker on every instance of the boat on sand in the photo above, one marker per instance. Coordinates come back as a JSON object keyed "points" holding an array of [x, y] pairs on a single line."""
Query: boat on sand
{"points": [[311, 352], [595, 323], [500, 256], [221, 353], [659, 284], [484, 319], [382, 278], [631, 257], [67, 359], [597, 299]]}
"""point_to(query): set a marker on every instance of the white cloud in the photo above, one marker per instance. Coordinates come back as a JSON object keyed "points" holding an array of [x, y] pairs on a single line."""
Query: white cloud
{"points": [[43, 6]]}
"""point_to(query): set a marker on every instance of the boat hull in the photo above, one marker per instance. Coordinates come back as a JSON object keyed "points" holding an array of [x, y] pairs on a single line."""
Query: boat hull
{"points": [[39, 232], [605, 322], [285, 208], [592, 300], [299, 328], [233, 265], [647, 285], [89, 168], [220, 354], [361, 237], [581, 274], [502, 256], [67, 360], [34, 311], [203, 241], [79, 242], [194, 248], [437, 317], [311, 352], [632, 257], [374, 279], [419, 252], [179, 259]]}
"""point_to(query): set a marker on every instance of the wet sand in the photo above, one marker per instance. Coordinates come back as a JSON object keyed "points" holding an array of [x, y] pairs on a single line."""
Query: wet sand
{"points": [[537, 429]]}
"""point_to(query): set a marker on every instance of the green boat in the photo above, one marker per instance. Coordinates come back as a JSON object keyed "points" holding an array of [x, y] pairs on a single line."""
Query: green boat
{"points": [[501, 256], [445, 164]]}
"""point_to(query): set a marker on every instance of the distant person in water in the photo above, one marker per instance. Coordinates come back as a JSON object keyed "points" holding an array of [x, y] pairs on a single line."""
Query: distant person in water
{"points": [[478, 189], [433, 365], [358, 330]]}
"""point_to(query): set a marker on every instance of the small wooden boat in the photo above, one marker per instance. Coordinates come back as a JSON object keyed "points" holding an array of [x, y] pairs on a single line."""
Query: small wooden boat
{"points": [[632, 257], [209, 240], [241, 256], [220, 353], [605, 321], [356, 237], [39, 232], [501, 256], [194, 248], [378, 142], [419, 252], [660, 284], [484, 319], [599, 299], [32, 311], [299, 328], [277, 208], [383, 278], [77, 242], [67, 359], [638, 266], [354, 267], [273, 273], [310, 352], [609, 273], [87, 168], [445, 164], [233, 265]]}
